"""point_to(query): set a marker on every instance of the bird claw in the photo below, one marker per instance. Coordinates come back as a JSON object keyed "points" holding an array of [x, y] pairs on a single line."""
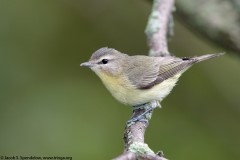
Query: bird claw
{"points": [[139, 118], [142, 117]]}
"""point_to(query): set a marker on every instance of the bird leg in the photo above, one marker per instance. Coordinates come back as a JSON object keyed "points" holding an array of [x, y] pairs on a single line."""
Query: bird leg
{"points": [[143, 117]]}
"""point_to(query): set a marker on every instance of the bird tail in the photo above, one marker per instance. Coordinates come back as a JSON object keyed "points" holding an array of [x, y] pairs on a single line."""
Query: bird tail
{"points": [[207, 56]]}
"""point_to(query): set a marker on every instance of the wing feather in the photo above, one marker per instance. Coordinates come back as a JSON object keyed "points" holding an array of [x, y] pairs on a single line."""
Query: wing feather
{"points": [[154, 71]]}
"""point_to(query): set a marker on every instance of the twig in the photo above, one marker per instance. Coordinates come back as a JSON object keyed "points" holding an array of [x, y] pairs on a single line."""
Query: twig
{"points": [[156, 31]]}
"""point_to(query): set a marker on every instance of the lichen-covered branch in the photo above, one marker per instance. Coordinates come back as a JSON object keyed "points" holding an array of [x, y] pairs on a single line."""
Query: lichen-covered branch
{"points": [[134, 147], [156, 31], [157, 27]]}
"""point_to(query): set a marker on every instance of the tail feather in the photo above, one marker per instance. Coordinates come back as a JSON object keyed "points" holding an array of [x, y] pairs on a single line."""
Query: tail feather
{"points": [[207, 56]]}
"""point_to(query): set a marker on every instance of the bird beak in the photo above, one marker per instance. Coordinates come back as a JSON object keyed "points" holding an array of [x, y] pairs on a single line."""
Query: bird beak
{"points": [[87, 64]]}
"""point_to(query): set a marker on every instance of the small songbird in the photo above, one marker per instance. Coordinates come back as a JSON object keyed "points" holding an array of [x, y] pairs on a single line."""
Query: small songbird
{"points": [[135, 80]]}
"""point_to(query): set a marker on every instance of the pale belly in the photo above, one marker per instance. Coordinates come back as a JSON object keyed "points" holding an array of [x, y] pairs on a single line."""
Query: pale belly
{"points": [[129, 95]]}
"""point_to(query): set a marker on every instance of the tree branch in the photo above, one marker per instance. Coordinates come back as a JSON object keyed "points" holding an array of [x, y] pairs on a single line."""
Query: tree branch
{"points": [[156, 32], [218, 20], [157, 27]]}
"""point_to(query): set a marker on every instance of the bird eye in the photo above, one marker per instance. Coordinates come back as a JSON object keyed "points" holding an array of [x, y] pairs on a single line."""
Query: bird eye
{"points": [[104, 61]]}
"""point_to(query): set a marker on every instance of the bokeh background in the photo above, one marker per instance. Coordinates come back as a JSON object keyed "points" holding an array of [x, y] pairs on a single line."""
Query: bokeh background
{"points": [[49, 106]]}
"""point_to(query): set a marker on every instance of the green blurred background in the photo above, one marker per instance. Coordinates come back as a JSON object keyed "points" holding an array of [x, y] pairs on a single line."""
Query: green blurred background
{"points": [[49, 106]]}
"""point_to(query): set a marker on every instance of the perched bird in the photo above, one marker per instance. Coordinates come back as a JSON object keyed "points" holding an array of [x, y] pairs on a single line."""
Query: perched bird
{"points": [[135, 80]]}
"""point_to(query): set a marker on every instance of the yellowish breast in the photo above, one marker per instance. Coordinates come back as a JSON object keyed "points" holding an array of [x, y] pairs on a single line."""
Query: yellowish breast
{"points": [[119, 87]]}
